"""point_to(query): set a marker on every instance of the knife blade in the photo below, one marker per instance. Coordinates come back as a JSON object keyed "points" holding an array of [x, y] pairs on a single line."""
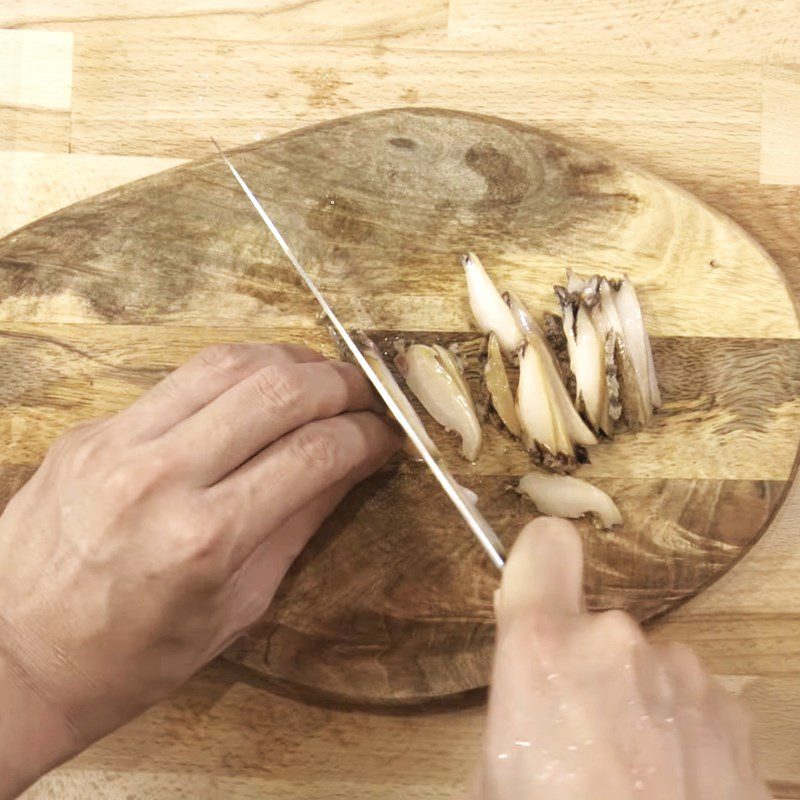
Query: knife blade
{"points": [[482, 530]]}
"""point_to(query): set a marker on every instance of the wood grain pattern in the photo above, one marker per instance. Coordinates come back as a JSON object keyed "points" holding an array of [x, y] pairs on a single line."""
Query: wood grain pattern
{"points": [[670, 117], [233, 739], [62, 179], [323, 21], [35, 89], [397, 285], [323, 752], [400, 195], [722, 29], [769, 213], [780, 144], [86, 369]]}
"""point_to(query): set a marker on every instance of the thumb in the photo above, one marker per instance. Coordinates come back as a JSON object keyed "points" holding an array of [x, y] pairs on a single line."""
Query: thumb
{"points": [[544, 572]]}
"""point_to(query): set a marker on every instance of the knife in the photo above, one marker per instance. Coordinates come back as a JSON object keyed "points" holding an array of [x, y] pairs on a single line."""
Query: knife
{"points": [[474, 519]]}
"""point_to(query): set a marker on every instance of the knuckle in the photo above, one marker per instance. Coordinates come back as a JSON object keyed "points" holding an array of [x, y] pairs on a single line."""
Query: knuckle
{"points": [[63, 443], [278, 388], [547, 636], [731, 710], [683, 656], [122, 491], [542, 635], [318, 449], [200, 541], [545, 628], [74, 435], [170, 386], [140, 474], [742, 717], [690, 668], [160, 463], [202, 544], [620, 628], [224, 357], [122, 487], [87, 451], [83, 448]]}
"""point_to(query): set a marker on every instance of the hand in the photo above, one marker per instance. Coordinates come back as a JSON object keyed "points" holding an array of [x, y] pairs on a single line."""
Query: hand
{"points": [[583, 707], [148, 541]]}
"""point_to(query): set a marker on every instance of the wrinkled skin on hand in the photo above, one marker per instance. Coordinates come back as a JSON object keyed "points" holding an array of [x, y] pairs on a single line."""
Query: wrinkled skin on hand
{"points": [[583, 707], [148, 541]]}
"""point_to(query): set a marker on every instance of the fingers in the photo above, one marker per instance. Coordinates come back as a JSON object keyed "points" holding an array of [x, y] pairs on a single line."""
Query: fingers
{"points": [[280, 480], [264, 569], [201, 379], [686, 672], [734, 721], [711, 769], [266, 405], [544, 573], [653, 680]]}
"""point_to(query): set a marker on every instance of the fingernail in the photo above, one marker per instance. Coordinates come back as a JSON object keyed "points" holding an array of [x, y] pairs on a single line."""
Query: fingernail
{"points": [[544, 570]]}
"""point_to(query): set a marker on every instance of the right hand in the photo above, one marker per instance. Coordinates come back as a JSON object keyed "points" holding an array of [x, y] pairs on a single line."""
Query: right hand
{"points": [[583, 707]]}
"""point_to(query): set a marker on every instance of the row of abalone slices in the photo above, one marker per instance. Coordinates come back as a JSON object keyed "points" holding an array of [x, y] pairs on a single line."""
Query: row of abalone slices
{"points": [[580, 377]]}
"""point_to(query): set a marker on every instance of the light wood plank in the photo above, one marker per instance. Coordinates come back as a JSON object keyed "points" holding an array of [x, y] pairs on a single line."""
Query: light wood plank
{"points": [[47, 131], [35, 69], [35, 90], [682, 119], [61, 179], [240, 742], [352, 21], [112, 785], [723, 29], [780, 126]]}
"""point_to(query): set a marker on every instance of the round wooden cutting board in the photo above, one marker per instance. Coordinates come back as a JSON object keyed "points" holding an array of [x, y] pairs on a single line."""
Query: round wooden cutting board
{"points": [[392, 600]]}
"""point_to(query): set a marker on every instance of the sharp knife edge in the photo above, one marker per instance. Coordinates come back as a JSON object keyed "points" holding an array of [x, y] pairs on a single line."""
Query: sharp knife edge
{"points": [[474, 519]]}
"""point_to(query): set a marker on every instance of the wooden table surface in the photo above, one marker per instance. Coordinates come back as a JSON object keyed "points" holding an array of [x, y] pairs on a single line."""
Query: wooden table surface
{"points": [[703, 92]]}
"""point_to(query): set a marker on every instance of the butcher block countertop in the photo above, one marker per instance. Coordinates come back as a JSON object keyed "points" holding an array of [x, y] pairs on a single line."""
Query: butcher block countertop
{"points": [[703, 93]]}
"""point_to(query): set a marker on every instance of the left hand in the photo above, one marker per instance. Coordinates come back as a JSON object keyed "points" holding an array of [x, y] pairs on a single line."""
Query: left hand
{"points": [[148, 541]]}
